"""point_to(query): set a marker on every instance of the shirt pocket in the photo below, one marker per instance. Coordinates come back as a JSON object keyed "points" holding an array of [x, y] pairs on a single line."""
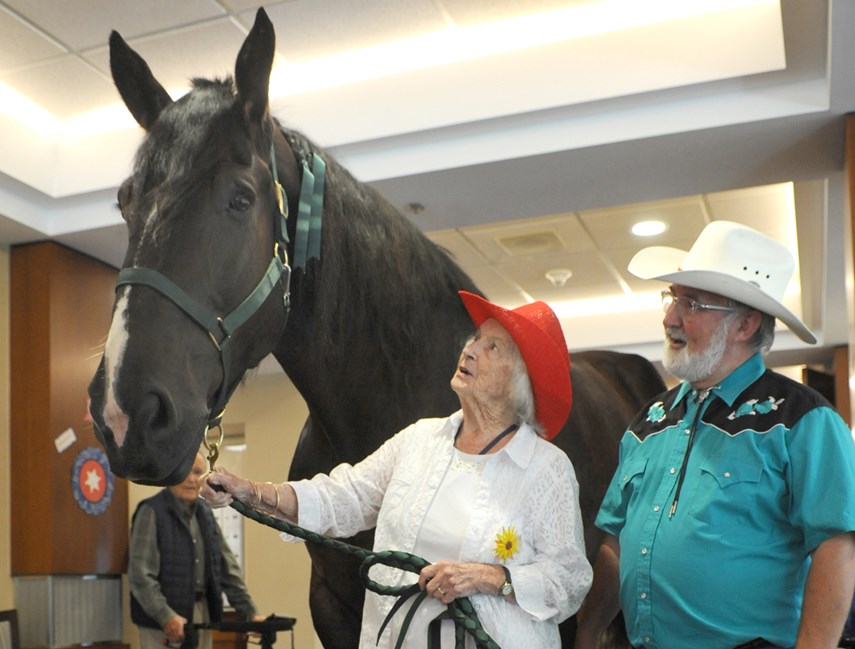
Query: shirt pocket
{"points": [[631, 481], [725, 492]]}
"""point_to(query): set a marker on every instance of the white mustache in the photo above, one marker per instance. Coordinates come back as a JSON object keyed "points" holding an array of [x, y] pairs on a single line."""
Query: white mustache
{"points": [[675, 333]]}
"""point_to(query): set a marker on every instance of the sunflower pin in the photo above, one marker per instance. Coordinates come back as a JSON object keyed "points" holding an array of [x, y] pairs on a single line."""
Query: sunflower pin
{"points": [[507, 544]]}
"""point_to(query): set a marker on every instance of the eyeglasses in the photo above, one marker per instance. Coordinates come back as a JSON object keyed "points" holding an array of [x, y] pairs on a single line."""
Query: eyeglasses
{"points": [[687, 307]]}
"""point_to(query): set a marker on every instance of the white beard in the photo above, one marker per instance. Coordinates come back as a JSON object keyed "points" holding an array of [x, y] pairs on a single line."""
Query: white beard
{"points": [[695, 366]]}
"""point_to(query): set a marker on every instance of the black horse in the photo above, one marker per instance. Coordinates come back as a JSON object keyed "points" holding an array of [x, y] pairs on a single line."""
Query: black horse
{"points": [[375, 324]]}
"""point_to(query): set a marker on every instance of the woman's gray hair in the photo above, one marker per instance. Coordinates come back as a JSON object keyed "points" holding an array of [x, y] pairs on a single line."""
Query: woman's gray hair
{"points": [[763, 338], [522, 396]]}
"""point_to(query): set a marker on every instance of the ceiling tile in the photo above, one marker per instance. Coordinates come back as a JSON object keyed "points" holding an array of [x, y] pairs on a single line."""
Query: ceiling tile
{"points": [[619, 259], [81, 24], [610, 228], [307, 29], [63, 87], [514, 239], [208, 50], [769, 209], [497, 287], [591, 277], [470, 12], [244, 5], [463, 252], [493, 283], [22, 45]]}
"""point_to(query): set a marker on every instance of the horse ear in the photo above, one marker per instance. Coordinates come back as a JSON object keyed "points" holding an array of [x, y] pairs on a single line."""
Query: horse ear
{"points": [[141, 92], [252, 69]]}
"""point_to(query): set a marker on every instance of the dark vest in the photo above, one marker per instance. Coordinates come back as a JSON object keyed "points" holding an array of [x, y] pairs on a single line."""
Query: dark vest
{"points": [[177, 575]]}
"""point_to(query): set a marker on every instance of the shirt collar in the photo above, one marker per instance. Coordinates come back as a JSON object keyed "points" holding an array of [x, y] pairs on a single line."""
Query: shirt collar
{"points": [[519, 449], [522, 446], [734, 383]]}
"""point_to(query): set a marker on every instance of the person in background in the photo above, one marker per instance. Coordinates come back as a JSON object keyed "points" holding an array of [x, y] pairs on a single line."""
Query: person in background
{"points": [[179, 566], [482, 494], [730, 518]]}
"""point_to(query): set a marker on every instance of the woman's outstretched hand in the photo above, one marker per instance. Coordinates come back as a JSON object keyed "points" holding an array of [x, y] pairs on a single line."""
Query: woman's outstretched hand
{"points": [[279, 500], [230, 487]]}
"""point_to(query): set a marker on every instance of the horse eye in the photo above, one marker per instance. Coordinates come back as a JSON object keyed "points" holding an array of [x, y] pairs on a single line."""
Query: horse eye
{"points": [[241, 202]]}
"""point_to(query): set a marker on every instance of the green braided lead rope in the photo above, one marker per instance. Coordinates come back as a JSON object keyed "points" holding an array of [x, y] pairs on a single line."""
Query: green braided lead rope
{"points": [[460, 610]]}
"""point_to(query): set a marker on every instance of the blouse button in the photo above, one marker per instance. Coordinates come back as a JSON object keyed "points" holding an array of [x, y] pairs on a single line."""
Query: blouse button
{"points": [[727, 474]]}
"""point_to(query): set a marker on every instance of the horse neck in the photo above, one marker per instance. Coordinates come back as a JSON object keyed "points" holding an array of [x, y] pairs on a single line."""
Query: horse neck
{"points": [[360, 388], [376, 326]]}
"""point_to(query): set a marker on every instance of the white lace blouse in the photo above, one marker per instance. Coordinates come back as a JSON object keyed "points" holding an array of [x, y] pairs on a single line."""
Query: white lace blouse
{"points": [[530, 486]]}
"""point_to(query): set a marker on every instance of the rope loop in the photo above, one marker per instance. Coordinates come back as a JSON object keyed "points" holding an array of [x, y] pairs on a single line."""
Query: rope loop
{"points": [[393, 559], [461, 610]]}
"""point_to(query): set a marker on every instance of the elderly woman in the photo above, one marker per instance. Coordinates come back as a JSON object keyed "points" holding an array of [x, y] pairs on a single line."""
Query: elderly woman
{"points": [[481, 494]]}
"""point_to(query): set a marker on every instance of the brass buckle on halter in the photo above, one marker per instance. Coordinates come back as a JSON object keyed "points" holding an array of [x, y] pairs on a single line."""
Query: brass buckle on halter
{"points": [[226, 335], [213, 449], [281, 252], [280, 199]]}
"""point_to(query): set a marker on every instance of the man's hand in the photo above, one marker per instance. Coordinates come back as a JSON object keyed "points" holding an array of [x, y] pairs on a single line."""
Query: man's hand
{"points": [[256, 637], [174, 629]]}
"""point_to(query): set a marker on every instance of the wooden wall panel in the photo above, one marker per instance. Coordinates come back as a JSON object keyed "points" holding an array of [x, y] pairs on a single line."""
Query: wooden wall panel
{"points": [[60, 313]]}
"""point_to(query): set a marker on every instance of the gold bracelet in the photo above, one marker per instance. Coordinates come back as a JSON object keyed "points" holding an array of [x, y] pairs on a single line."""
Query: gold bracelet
{"points": [[276, 491], [256, 492]]}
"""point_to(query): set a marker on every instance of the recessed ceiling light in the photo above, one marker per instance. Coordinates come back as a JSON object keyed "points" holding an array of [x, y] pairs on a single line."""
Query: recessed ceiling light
{"points": [[649, 228]]}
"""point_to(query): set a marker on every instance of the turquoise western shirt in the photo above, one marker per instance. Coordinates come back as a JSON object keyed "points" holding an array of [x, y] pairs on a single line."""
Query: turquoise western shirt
{"points": [[770, 475]]}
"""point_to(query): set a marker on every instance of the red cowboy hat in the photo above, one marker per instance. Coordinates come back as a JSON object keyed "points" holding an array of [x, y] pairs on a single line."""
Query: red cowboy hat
{"points": [[537, 333]]}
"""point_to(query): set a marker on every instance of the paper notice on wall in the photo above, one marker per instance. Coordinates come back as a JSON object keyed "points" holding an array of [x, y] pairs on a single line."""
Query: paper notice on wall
{"points": [[231, 526], [64, 440]]}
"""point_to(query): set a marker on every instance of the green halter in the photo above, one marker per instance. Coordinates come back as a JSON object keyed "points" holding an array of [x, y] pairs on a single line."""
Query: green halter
{"points": [[307, 245]]}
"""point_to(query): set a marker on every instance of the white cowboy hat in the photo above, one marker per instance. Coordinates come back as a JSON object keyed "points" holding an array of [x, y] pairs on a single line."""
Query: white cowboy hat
{"points": [[731, 260]]}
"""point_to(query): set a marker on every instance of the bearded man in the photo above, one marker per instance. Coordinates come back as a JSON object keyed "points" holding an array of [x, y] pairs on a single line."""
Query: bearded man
{"points": [[729, 521]]}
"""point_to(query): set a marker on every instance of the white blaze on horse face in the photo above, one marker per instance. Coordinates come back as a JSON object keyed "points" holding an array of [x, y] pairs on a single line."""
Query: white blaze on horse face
{"points": [[114, 351]]}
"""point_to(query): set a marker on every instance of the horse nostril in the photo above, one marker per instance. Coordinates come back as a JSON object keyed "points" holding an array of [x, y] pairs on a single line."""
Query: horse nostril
{"points": [[156, 412]]}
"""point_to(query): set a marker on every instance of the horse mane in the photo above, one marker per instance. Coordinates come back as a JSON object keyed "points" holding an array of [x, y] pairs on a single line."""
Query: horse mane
{"points": [[405, 282]]}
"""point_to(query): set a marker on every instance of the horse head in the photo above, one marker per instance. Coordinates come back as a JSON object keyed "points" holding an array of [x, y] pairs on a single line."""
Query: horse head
{"points": [[202, 295]]}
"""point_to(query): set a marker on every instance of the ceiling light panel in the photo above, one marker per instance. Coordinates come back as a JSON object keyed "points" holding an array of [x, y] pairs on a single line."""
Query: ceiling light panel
{"points": [[611, 228]]}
